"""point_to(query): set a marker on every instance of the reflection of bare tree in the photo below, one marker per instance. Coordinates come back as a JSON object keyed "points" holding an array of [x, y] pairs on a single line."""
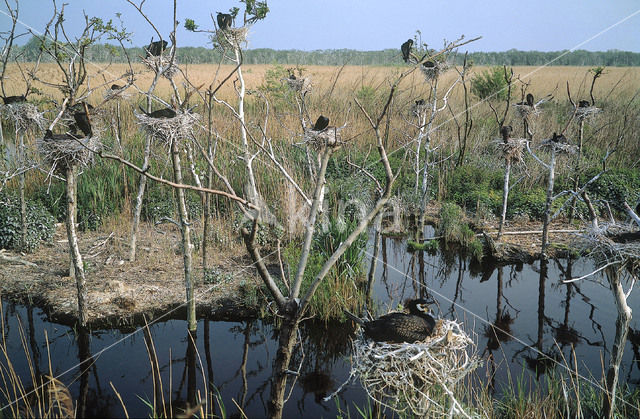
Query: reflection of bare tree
{"points": [[634, 340], [85, 361]]}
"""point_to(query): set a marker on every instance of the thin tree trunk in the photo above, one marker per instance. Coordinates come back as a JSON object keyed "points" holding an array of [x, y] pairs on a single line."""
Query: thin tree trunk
{"points": [[185, 232], [622, 329], [377, 226], [252, 189], [287, 340], [549, 201], [23, 202], [78, 268], [505, 196]]}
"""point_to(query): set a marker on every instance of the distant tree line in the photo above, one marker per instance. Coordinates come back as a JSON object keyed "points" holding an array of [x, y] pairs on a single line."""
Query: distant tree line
{"points": [[200, 55]]}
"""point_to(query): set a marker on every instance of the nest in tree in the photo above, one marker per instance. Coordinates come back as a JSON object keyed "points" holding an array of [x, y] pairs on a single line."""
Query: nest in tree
{"points": [[162, 63], [416, 379], [613, 244], [232, 38], [66, 150], [560, 147], [586, 112], [23, 115], [526, 111], [302, 85], [433, 69], [167, 130], [328, 137], [512, 150]]}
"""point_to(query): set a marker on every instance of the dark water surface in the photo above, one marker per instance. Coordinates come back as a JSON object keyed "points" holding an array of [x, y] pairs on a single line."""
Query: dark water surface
{"points": [[532, 309]]}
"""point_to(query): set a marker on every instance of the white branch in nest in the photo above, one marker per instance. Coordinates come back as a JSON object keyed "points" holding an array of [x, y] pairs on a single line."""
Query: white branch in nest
{"points": [[169, 129], [23, 115]]}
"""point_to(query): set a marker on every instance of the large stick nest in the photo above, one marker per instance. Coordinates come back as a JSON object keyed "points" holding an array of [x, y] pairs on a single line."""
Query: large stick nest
{"points": [[162, 63], [560, 147], [328, 137], [433, 69], [587, 112], [233, 38], [167, 130], [23, 115], [512, 150], [612, 243], [67, 150], [302, 85], [416, 379]]}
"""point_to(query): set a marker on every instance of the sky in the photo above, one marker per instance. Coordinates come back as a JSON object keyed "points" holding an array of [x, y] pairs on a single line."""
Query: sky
{"points": [[542, 25]]}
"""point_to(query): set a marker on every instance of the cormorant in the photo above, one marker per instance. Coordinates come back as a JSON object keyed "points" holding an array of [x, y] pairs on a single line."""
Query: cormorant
{"points": [[156, 48], [160, 113], [321, 123], [116, 87], [558, 138], [14, 99], [82, 122], [528, 101], [584, 104], [400, 327], [505, 131], [224, 20], [406, 50], [428, 64]]}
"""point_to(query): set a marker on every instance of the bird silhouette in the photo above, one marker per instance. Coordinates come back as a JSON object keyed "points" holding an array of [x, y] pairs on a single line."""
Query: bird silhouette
{"points": [[156, 48], [13, 99], [165, 113], [406, 50], [321, 123], [584, 104], [400, 327], [505, 131], [225, 20]]}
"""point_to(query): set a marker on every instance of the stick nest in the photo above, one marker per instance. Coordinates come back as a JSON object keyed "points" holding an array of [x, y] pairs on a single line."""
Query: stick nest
{"points": [[439, 67], [587, 112], [526, 111], [328, 137], [63, 153], [232, 38], [607, 244], [416, 379], [512, 150], [23, 115], [302, 85], [561, 148], [162, 64], [167, 130]]}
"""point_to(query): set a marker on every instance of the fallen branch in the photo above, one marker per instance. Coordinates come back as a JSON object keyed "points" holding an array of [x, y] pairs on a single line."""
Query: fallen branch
{"points": [[16, 259]]}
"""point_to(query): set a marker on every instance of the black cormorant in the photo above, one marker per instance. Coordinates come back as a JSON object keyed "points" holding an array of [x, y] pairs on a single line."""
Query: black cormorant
{"points": [[160, 113], [558, 138], [116, 87], [82, 122], [400, 327], [224, 20], [156, 48], [528, 101], [321, 123], [14, 99], [505, 131], [584, 104], [406, 50]]}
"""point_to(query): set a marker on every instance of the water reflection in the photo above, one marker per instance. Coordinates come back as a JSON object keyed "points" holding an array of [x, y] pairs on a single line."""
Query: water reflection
{"points": [[162, 367]]}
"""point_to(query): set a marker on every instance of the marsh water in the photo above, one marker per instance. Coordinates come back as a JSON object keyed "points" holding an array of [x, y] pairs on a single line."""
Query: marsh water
{"points": [[533, 311]]}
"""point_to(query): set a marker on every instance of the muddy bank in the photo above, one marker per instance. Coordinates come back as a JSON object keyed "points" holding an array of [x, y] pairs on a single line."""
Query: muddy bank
{"points": [[122, 293]]}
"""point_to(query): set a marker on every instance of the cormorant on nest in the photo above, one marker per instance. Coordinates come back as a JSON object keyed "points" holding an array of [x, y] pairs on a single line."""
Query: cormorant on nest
{"points": [[584, 104], [13, 99], [321, 123], [400, 327], [558, 138], [156, 48], [505, 131], [528, 101], [165, 113], [225, 20]]}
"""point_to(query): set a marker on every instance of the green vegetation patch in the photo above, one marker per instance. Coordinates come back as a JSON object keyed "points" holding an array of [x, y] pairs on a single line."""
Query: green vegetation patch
{"points": [[40, 224]]}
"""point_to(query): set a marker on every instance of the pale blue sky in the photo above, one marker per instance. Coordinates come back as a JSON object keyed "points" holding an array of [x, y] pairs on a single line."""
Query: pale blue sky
{"points": [[544, 25]]}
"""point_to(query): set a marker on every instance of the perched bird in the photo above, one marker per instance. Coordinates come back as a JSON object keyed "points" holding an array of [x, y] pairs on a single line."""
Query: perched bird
{"points": [[79, 107], [321, 123], [400, 327], [406, 50], [82, 122], [48, 135], [225, 20], [419, 102], [291, 75], [165, 113], [428, 64], [505, 131], [584, 104], [156, 48], [116, 87], [14, 99], [558, 138], [528, 101]]}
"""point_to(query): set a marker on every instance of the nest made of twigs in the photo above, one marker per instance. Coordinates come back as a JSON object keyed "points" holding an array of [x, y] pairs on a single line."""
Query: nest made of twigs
{"points": [[328, 137], [587, 112], [116, 94], [560, 147], [167, 130], [302, 85], [526, 111], [231, 38], [416, 379], [432, 72], [162, 63], [513, 149], [23, 115], [604, 245], [66, 151]]}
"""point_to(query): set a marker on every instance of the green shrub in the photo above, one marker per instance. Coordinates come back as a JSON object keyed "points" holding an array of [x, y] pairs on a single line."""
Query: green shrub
{"points": [[40, 224], [472, 186], [490, 84], [531, 203]]}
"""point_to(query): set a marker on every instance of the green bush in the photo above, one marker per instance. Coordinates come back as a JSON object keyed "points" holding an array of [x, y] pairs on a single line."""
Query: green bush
{"points": [[40, 224], [531, 203], [490, 84], [471, 186]]}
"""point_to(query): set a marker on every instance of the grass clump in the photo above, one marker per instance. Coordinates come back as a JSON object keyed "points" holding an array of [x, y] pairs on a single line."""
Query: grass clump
{"points": [[453, 229]]}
